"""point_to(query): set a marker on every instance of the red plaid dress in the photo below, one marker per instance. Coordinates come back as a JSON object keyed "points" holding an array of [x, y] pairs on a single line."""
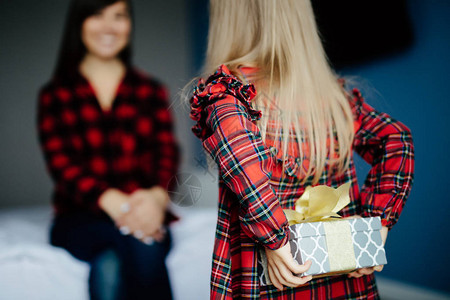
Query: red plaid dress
{"points": [[88, 150], [253, 188]]}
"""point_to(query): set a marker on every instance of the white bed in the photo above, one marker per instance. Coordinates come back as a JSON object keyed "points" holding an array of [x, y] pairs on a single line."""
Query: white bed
{"points": [[32, 269]]}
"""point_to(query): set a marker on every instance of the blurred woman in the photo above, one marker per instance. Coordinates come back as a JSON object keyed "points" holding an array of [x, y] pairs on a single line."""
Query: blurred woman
{"points": [[107, 137]]}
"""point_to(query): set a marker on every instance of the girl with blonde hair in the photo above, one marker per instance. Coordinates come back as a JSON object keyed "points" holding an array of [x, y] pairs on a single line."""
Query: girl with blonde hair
{"points": [[275, 118]]}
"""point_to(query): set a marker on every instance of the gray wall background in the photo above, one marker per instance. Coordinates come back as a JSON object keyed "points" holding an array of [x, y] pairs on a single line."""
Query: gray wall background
{"points": [[30, 33]]}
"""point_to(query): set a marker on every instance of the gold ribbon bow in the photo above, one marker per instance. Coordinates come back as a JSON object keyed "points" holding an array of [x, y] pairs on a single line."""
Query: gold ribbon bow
{"points": [[319, 203]]}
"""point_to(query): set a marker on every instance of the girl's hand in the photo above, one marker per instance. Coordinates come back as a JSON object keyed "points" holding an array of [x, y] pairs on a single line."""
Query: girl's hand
{"points": [[282, 268], [145, 215], [367, 271]]}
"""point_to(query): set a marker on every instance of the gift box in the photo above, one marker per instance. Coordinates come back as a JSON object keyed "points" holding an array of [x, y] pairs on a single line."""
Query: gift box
{"points": [[333, 246]]}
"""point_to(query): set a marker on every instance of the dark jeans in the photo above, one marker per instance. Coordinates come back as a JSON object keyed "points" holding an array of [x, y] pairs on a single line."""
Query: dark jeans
{"points": [[138, 270]]}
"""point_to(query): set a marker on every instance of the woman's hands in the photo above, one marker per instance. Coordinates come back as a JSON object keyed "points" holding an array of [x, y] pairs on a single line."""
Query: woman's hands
{"points": [[145, 217], [111, 202], [282, 268], [367, 271], [140, 213]]}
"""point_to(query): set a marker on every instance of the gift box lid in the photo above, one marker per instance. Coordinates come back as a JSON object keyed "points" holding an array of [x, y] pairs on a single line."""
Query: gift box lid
{"points": [[313, 229]]}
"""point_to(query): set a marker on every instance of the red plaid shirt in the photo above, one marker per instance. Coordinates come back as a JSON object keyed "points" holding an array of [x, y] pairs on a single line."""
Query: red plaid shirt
{"points": [[254, 189], [88, 150]]}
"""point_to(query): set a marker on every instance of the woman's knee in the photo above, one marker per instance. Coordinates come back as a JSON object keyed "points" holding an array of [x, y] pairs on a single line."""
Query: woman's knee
{"points": [[146, 263]]}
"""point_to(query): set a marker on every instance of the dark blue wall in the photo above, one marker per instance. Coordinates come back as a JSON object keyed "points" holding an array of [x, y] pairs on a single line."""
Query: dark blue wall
{"points": [[412, 87]]}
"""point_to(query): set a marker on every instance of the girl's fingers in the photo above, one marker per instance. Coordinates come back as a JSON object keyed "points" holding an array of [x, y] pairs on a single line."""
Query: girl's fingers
{"points": [[378, 268], [356, 274], [295, 268], [365, 271], [283, 268], [305, 279], [279, 277], [291, 279], [286, 277], [274, 279]]}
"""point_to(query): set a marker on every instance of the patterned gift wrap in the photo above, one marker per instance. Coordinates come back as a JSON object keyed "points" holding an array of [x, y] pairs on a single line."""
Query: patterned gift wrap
{"points": [[333, 247]]}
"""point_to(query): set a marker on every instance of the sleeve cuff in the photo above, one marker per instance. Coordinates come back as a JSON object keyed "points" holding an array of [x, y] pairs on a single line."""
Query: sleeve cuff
{"points": [[278, 240], [388, 219]]}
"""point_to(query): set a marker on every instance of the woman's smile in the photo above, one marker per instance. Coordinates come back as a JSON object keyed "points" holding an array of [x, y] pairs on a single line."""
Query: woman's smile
{"points": [[107, 32]]}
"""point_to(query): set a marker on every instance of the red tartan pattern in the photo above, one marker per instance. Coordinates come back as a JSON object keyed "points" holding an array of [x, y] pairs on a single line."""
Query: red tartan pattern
{"points": [[88, 150], [253, 188]]}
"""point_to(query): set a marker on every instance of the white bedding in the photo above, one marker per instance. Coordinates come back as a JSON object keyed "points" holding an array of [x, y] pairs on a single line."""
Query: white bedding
{"points": [[30, 268]]}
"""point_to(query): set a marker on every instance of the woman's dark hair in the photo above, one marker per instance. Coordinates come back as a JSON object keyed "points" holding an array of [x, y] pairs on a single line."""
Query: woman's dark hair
{"points": [[72, 49]]}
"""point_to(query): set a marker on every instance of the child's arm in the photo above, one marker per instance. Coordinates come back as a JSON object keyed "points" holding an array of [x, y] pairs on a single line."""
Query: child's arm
{"points": [[225, 122], [387, 145], [244, 162]]}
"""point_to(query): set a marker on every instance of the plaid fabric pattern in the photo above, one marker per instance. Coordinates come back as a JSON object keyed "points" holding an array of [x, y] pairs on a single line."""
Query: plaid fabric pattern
{"points": [[88, 150], [254, 188]]}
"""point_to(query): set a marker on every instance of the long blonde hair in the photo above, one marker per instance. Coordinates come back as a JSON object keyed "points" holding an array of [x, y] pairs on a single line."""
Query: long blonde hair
{"points": [[280, 39]]}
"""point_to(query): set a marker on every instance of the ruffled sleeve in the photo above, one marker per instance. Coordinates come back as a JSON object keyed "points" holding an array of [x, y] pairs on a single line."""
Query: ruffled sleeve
{"points": [[218, 86], [225, 122], [387, 145]]}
